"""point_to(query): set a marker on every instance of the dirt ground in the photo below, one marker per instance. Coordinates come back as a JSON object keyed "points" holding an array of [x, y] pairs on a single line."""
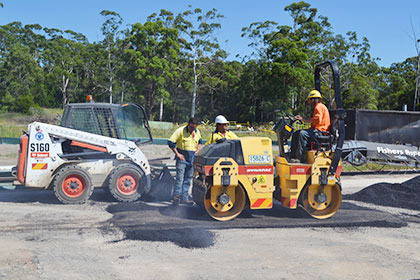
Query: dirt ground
{"points": [[103, 239]]}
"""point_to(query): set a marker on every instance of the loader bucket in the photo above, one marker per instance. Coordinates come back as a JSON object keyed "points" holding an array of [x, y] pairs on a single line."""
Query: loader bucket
{"points": [[162, 187]]}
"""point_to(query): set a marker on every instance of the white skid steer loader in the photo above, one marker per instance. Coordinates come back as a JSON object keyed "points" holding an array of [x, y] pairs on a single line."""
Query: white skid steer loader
{"points": [[96, 145]]}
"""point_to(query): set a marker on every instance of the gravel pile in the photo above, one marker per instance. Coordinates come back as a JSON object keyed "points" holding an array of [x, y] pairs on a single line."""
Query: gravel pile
{"points": [[405, 195]]}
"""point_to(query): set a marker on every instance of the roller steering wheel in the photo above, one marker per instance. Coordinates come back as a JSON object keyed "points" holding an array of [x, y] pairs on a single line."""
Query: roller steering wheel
{"points": [[292, 119], [286, 118]]}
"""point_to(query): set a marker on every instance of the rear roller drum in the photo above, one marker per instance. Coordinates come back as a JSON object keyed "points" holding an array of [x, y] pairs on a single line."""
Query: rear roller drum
{"points": [[224, 205], [321, 205]]}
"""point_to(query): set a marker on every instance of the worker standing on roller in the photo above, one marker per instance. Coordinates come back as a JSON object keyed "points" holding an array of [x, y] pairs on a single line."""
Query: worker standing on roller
{"points": [[320, 122], [185, 142], [221, 130]]}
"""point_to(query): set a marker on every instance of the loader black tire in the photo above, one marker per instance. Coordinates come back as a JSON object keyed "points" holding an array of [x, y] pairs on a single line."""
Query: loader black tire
{"points": [[126, 182], [72, 185]]}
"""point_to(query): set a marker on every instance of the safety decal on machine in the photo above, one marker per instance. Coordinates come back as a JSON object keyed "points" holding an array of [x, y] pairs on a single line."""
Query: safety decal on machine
{"points": [[40, 155], [39, 136], [261, 203], [261, 179], [39, 166]]}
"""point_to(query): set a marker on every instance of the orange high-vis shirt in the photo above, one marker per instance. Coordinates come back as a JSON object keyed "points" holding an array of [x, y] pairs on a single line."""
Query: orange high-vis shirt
{"points": [[321, 118]]}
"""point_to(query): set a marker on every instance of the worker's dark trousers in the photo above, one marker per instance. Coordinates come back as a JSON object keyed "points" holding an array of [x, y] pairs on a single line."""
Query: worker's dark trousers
{"points": [[300, 139]]}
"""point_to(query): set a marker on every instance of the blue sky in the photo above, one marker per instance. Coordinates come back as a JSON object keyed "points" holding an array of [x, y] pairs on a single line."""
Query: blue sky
{"points": [[387, 24]]}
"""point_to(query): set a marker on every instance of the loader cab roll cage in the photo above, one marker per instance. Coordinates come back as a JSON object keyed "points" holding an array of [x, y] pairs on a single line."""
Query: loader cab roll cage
{"points": [[127, 121]]}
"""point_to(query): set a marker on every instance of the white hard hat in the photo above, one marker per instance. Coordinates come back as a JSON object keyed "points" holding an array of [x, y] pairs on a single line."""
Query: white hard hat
{"points": [[220, 119]]}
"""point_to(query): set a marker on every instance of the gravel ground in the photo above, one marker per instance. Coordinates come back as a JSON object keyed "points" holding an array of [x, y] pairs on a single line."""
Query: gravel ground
{"points": [[42, 239], [405, 195]]}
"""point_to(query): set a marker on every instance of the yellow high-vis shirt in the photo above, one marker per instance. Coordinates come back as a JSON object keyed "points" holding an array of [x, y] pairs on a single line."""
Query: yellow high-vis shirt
{"points": [[217, 135], [185, 142]]}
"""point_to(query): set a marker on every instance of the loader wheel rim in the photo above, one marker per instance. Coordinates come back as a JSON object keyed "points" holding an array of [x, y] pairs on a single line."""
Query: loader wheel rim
{"points": [[127, 184], [73, 185]]}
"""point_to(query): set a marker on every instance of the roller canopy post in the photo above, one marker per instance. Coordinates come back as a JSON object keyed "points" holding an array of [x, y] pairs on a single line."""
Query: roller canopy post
{"points": [[340, 114]]}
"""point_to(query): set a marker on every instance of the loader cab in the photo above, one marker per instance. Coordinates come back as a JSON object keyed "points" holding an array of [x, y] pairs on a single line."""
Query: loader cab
{"points": [[127, 121]]}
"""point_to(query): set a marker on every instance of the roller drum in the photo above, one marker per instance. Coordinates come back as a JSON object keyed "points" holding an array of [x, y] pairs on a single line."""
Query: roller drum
{"points": [[198, 192]]}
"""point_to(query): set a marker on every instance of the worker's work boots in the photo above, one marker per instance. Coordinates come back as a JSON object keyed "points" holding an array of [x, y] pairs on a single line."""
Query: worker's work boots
{"points": [[176, 200], [187, 202]]}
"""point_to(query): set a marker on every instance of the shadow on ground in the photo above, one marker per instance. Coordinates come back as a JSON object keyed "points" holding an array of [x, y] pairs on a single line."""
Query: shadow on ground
{"points": [[27, 195], [191, 227]]}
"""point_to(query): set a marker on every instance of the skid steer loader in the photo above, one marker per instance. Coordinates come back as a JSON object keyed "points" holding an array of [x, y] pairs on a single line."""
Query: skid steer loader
{"points": [[234, 173], [96, 145]]}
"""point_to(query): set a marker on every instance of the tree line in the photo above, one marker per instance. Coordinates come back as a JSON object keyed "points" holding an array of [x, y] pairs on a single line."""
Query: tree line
{"points": [[174, 66]]}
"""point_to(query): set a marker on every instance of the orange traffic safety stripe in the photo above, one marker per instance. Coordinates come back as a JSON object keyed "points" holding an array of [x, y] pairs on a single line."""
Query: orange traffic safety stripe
{"points": [[261, 203], [39, 166], [338, 171], [288, 203]]}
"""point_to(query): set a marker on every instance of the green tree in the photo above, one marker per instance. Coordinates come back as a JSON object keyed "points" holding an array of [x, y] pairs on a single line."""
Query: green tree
{"points": [[152, 56], [21, 80], [62, 57], [396, 86], [197, 30], [110, 31]]}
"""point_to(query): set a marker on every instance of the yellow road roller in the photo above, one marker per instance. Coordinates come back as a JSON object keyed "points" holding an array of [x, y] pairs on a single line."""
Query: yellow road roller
{"points": [[233, 174]]}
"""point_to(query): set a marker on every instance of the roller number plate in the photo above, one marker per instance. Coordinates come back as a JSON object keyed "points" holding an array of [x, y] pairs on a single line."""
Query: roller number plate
{"points": [[259, 159]]}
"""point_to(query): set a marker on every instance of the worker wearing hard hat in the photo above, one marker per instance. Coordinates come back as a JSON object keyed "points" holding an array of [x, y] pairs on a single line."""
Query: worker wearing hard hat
{"points": [[320, 122], [221, 131]]}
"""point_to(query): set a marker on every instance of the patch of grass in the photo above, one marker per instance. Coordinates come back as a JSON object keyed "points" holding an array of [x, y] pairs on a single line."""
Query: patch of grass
{"points": [[12, 124], [12, 131], [8, 156]]}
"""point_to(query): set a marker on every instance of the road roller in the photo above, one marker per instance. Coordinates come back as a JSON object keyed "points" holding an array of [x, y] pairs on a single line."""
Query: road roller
{"points": [[237, 173]]}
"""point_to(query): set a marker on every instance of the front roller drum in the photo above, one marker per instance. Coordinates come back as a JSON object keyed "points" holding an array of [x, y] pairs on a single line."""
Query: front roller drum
{"points": [[324, 205], [224, 205]]}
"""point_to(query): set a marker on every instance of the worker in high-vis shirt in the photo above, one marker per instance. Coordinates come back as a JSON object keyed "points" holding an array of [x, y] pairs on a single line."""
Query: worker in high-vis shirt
{"points": [[185, 142], [221, 131], [320, 122]]}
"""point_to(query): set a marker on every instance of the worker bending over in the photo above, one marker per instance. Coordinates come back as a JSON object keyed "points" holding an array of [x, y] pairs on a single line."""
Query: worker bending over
{"points": [[320, 122], [221, 131], [185, 142]]}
